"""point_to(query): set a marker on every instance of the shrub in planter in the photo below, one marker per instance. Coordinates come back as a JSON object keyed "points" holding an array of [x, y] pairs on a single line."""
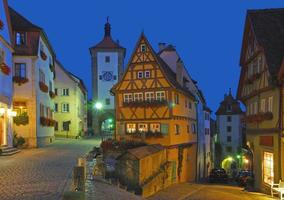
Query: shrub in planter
{"points": [[20, 80], [22, 119], [18, 141], [5, 69], [52, 94], [43, 87]]}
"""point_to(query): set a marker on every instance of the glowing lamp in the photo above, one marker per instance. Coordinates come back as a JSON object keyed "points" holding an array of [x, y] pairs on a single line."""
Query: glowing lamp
{"points": [[230, 159], [98, 106], [238, 156], [12, 113], [246, 161], [2, 111]]}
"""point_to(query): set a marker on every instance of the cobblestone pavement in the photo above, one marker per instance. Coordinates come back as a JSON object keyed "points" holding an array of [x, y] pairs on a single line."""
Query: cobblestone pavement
{"points": [[189, 191], [41, 174]]}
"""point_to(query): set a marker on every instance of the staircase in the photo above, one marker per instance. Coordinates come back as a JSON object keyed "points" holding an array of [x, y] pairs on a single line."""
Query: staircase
{"points": [[8, 151]]}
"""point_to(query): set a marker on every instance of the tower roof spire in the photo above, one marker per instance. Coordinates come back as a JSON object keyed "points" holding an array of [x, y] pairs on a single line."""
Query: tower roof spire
{"points": [[107, 28]]}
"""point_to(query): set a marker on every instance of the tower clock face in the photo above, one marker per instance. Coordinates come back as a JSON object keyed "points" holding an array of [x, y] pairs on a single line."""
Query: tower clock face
{"points": [[107, 76]]}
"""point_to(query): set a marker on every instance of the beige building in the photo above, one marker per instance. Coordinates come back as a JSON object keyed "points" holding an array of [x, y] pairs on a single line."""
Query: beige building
{"points": [[33, 75], [70, 104]]}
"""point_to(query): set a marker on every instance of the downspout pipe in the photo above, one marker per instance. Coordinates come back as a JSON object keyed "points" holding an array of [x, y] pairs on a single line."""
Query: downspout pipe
{"points": [[197, 142]]}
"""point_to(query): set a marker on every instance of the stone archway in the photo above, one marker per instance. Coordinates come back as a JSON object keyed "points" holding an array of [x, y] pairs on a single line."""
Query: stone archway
{"points": [[106, 122]]}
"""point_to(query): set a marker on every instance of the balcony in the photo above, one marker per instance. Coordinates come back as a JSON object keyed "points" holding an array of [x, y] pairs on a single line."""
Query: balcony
{"points": [[260, 117], [146, 103]]}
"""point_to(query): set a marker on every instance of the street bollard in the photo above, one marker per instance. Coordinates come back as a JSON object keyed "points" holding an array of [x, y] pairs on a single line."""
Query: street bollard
{"points": [[82, 162], [79, 178]]}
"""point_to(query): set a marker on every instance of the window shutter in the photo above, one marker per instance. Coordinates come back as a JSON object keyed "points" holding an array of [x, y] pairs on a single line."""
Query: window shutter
{"points": [[165, 129]]}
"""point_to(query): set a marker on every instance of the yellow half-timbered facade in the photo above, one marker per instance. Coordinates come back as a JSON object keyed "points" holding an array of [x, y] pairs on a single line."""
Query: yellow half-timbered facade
{"points": [[154, 105]]}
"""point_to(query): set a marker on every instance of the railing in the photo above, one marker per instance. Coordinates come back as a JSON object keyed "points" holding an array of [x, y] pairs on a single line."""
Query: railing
{"points": [[146, 103]]}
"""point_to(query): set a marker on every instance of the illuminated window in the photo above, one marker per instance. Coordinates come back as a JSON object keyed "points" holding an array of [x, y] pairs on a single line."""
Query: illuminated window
{"points": [[268, 174], [149, 96], [160, 95], [176, 99], [155, 127], [142, 127], [138, 96], [127, 97], [130, 128], [147, 74], [140, 74]]}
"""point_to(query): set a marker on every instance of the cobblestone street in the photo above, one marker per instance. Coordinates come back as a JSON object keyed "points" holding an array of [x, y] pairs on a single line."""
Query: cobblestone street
{"points": [[41, 174]]}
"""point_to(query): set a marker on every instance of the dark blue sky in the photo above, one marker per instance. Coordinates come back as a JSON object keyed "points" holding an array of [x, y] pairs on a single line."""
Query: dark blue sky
{"points": [[206, 33]]}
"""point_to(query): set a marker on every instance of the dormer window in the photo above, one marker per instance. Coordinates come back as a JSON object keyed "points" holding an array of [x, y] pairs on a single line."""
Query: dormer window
{"points": [[143, 48], [140, 74], [229, 107], [147, 74], [20, 38]]}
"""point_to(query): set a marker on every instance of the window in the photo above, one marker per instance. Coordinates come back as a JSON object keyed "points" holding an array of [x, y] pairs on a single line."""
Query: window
{"points": [[142, 127], [263, 105], [268, 174], [155, 127], [270, 104], [229, 107], [147, 74], [20, 38], [20, 70], [56, 107], [107, 59], [50, 86], [41, 110], [65, 125], [185, 103], [140, 74], [65, 92], [149, 96], [229, 138], [177, 129], [56, 91], [193, 128], [2, 56], [130, 128], [229, 118], [138, 96], [143, 48], [229, 149], [56, 126], [187, 129], [65, 107], [127, 98], [41, 76], [176, 99], [107, 101], [229, 128], [160, 95]]}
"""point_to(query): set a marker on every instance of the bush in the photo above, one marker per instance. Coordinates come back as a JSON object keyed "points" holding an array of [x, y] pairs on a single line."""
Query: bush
{"points": [[18, 141]]}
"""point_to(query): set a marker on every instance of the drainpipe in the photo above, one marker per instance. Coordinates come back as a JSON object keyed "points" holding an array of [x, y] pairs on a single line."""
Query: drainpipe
{"points": [[197, 142]]}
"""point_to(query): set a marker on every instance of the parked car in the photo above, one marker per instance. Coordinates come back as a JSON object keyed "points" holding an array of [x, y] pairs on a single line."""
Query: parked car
{"points": [[218, 175], [243, 176]]}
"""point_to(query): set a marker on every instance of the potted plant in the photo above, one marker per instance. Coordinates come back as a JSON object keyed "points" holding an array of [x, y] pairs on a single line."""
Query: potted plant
{"points": [[43, 87], [52, 94], [20, 80], [5, 69], [22, 119]]}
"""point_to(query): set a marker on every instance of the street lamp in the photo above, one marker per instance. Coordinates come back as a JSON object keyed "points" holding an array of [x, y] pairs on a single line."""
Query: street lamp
{"points": [[230, 159], [98, 105]]}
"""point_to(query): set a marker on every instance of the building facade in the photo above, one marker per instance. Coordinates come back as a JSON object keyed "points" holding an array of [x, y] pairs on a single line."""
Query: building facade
{"points": [[33, 77], [153, 106], [107, 68], [70, 104], [6, 89], [229, 119], [261, 58], [170, 56]]}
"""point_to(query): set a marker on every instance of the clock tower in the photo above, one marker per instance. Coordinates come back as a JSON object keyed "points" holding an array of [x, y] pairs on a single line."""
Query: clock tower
{"points": [[107, 69]]}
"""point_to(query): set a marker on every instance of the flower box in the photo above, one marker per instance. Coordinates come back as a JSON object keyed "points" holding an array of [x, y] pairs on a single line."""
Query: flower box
{"points": [[5, 69], [52, 94], [22, 119], [47, 122], [20, 80], [154, 103], [43, 87], [43, 55]]}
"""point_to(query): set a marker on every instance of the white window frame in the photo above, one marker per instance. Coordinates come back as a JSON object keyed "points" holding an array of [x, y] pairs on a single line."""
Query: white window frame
{"points": [[140, 74], [65, 92], [263, 105], [143, 127], [147, 74], [128, 97], [149, 96], [155, 127], [138, 96], [143, 48], [65, 107], [130, 128], [160, 95], [270, 104]]}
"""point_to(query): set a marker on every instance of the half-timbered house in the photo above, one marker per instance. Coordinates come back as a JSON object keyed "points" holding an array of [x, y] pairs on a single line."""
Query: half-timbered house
{"points": [[154, 105]]}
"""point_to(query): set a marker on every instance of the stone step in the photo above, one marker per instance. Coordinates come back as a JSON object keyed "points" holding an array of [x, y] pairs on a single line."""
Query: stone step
{"points": [[8, 151]]}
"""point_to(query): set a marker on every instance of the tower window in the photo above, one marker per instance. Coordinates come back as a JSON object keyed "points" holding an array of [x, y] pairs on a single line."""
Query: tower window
{"points": [[147, 74], [20, 38], [143, 48], [107, 59], [140, 74]]}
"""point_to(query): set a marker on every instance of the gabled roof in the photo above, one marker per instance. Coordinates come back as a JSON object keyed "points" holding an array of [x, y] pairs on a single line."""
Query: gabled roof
{"points": [[167, 71], [21, 23], [268, 27], [144, 151], [234, 104]]}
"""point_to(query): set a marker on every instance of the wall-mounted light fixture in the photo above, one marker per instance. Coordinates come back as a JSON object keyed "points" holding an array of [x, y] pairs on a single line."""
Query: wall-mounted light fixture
{"points": [[2, 111], [12, 113]]}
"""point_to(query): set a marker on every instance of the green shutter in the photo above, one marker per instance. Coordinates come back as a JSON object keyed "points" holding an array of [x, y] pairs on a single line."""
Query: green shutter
{"points": [[165, 129]]}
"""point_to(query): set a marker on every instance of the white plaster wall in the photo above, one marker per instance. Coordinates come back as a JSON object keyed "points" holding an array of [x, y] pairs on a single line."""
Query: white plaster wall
{"points": [[105, 86]]}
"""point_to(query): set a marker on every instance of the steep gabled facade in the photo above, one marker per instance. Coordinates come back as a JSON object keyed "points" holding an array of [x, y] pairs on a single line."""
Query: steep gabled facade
{"points": [[153, 106], [6, 84], [261, 57], [33, 75], [70, 104]]}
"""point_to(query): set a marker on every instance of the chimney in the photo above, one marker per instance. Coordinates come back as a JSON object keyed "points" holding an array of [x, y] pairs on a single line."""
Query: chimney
{"points": [[179, 72], [162, 46]]}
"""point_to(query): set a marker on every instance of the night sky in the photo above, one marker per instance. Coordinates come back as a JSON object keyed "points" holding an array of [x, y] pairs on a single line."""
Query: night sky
{"points": [[207, 34]]}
